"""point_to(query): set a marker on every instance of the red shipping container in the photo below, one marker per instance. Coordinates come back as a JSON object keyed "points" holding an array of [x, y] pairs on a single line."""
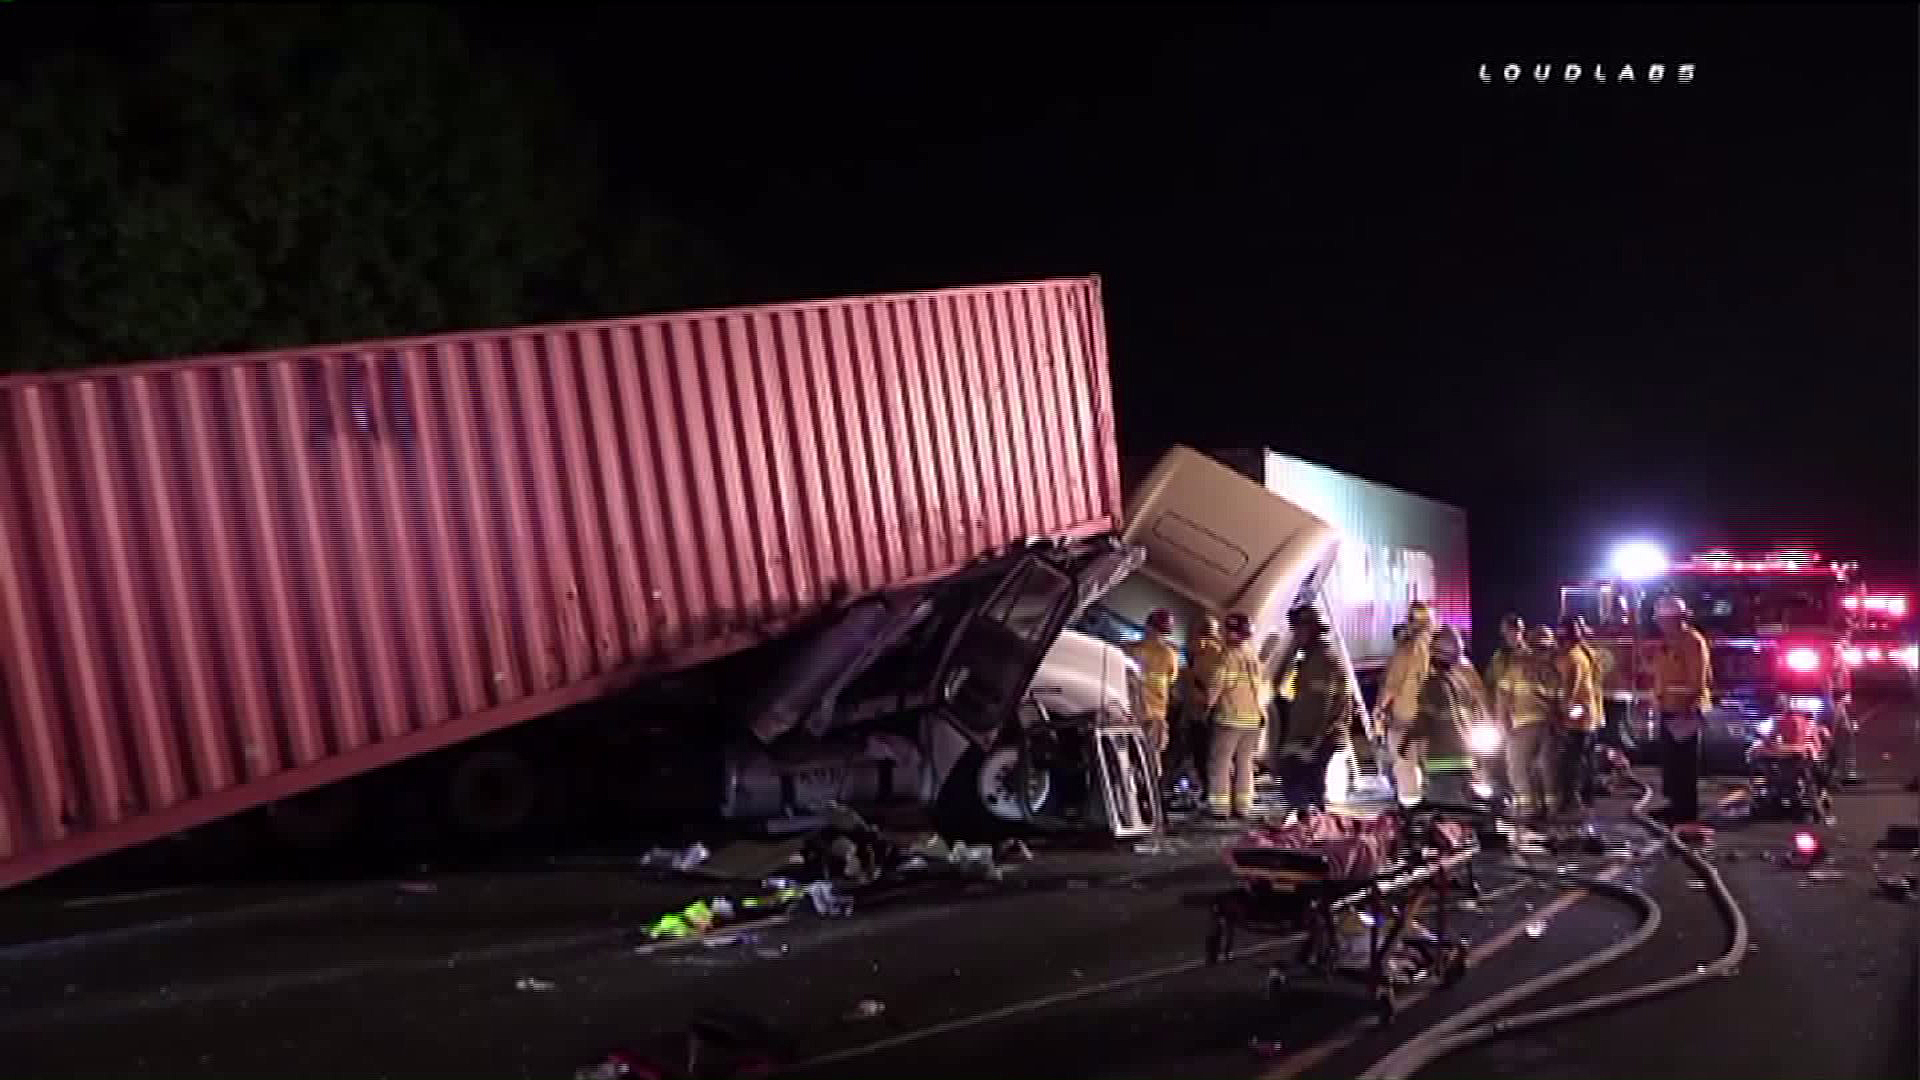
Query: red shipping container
{"points": [[229, 580]]}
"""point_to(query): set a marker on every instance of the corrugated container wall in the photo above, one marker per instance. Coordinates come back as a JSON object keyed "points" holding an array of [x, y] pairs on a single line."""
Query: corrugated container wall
{"points": [[225, 581], [1396, 548]]}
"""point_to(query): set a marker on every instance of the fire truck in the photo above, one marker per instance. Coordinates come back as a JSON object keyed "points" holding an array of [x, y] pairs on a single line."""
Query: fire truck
{"points": [[1882, 651], [1780, 627]]}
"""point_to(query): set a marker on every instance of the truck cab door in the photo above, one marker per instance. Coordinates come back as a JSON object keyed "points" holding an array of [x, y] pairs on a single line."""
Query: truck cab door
{"points": [[993, 655]]}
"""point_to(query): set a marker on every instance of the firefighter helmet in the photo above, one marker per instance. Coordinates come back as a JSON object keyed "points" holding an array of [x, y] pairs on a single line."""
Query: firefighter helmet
{"points": [[1238, 626], [1160, 621]]}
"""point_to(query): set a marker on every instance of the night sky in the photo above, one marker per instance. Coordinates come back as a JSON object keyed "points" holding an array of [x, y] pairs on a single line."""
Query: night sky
{"points": [[1580, 311]]}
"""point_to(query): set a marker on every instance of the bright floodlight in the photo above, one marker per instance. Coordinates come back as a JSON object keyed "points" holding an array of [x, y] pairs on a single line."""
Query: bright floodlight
{"points": [[1639, 561]]}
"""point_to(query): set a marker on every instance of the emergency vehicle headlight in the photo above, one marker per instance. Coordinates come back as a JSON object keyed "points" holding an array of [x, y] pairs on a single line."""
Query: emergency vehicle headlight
{"points": [[1483, 739], [1809, 705], [1763, 728], [1803, 660], [1910, 656]]}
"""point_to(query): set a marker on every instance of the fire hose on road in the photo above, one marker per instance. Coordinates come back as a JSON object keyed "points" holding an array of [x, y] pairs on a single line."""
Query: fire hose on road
{"points": [[1482, 1021]]}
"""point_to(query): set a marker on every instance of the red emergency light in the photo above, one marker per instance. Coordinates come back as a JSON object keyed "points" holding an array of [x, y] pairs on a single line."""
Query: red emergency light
{"points": [[1801, 660]]}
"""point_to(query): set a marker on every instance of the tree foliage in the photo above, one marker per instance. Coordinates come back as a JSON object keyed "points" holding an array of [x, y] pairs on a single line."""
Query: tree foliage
{"points": [[278, 175]]}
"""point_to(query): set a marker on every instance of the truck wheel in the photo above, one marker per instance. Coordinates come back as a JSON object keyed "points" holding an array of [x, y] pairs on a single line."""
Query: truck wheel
{"points": [[492, 791], [317, 819], [998, 786]]}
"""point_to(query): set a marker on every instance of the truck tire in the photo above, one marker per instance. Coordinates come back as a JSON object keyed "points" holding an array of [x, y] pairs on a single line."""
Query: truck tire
{"points": [[317, 819], [492, 792], [963, 810], [997, 786]]}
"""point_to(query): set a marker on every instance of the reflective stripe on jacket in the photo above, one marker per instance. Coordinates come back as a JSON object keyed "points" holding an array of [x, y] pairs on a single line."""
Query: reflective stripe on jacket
{"points": [[1236, 690], [1531, 692], [1683, 673]]}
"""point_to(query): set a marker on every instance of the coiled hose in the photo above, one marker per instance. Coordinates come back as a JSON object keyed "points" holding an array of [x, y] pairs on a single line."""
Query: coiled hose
{"points": [[1471, 1025]]}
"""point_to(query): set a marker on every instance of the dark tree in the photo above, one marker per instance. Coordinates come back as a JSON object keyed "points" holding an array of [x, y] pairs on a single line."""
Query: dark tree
{"points": [[219, 178]]}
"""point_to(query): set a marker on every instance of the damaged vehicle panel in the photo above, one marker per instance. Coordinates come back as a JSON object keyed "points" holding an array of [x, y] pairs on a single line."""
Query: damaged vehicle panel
{"points": [[947, 695]]}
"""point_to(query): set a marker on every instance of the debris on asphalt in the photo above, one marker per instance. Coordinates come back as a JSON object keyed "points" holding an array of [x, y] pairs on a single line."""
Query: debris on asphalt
{"points": [[826, 902], [532, 985], [1266, 1048], [1899, 888], [723, 941], [1536, 927], [771, 952], [694, 919], [867, 1009], [682, 860], [1014, 851], [1826, 875], [1696, 885], [929, 846], [418, 888]]}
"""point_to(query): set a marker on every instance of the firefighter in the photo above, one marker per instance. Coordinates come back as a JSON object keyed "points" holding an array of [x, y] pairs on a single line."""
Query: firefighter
{"points": [[1528, 706], [1401, 685], [1682, 671], [1513, 642], [1448, 708], [1581, 719], [1204, 649], [1321, 710], [1159, 670], [1236, 698]]}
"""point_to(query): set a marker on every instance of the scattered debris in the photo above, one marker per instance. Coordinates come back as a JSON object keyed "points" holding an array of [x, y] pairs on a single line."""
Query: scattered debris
{"points": [[771, 952], [867, 1010], [683, 860], [1536, 927], [536, 986], [1826, 875], [1899, 888], [694, 919], [1014, 851], [722, 941], [930, 846], [1697, 885], [418, 888], [826, 902]]}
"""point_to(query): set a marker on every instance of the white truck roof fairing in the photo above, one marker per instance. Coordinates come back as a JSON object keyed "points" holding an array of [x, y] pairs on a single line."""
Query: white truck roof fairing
{"points": [[1225, 543]]}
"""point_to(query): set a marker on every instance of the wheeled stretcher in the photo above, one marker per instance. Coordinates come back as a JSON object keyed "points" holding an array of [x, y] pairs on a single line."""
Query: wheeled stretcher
{"points": [[1368, 896]]}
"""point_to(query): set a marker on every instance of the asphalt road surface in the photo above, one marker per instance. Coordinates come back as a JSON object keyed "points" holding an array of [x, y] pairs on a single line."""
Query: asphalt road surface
{"points": [[1081, 964]]}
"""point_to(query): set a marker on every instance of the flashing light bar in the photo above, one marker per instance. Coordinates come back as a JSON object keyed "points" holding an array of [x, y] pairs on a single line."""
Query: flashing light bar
{"points": [[1907, 656], [1894, 605], [1715, 565]]}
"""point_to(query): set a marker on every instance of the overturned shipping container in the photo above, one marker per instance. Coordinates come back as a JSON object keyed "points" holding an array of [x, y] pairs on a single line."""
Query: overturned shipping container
{"points": [[227, 581]]}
